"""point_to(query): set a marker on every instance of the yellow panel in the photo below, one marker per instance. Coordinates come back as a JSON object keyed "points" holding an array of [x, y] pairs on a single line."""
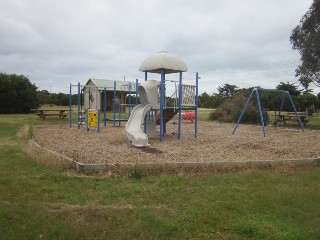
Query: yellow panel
{"points": [[92, 119]]}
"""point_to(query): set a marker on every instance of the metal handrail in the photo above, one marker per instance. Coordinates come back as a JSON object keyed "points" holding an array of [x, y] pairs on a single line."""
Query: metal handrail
{"points": [[175, 99]]}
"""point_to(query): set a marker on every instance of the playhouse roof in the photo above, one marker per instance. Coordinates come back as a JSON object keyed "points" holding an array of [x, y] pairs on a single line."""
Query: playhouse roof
{"points": [[121, 86], [163, 61]]}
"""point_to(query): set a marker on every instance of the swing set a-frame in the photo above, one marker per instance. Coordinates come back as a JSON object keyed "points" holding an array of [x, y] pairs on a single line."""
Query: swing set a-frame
{"points": [[284, 95]]}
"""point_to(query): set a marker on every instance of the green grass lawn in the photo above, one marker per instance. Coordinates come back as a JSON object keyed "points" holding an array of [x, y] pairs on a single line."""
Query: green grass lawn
{"points": [[38, 201], [203, 113]]}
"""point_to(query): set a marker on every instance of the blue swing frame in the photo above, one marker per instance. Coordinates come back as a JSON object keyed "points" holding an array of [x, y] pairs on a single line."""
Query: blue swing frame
{"points": [[256, 90]]}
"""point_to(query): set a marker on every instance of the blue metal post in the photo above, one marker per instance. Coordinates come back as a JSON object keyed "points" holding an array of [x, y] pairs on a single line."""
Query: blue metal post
{"points": [[70, 106], [282, 103], [260, 111], [179, 105], [114, 102], [297, 115], [129, 102], [243, 111], [161, 105], [87, 119], [79, 102], [119, 113], [164, 104], [105, 106], [145, 117], [137, 93], [98, 127], [196, 110]]}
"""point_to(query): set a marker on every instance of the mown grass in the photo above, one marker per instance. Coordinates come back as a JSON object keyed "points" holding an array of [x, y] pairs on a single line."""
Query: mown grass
{"points": [[38, 201], [314, 123], [203, 113]]}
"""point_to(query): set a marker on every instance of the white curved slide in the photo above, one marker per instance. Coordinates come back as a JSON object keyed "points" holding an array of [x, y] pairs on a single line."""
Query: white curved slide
{"points": [[133, 128]]}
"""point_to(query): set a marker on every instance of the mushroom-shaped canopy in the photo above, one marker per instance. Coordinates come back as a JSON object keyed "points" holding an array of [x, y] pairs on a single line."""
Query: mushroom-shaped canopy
{"points": [[165, 61]]}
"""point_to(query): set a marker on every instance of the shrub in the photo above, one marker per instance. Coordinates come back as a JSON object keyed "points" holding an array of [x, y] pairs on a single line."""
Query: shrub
{"points": [[231, 109]]}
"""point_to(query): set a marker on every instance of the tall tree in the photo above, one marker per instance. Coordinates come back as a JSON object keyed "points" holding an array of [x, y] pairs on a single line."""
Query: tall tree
{"points": [[228, 90], [204, 100], [17, 94], [307, 100], [306, 38], [290, 87]]}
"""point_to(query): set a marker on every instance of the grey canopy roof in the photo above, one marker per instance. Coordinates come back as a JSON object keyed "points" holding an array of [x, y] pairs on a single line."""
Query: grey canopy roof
{"points": [[163, 61], [121, 86]]}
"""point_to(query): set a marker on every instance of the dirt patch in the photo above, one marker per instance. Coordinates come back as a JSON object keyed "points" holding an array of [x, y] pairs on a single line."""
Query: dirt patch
{"points": [[151, 150], [215, 143]]}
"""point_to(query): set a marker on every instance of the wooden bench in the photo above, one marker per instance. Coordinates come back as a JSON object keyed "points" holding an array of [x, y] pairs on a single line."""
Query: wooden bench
{"points": [[116, 120], [293, 113], [43, 113], [303, 119], [284, 118]]}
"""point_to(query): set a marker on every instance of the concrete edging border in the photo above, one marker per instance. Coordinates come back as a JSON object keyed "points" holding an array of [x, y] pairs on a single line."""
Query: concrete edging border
{"points": [[183, 166]]}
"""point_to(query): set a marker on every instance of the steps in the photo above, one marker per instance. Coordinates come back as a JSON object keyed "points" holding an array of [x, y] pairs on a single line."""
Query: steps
{"points": [[168, 115]]}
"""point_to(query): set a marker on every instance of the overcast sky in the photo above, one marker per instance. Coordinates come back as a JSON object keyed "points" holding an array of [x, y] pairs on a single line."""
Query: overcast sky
{"points": [[55, 43]]}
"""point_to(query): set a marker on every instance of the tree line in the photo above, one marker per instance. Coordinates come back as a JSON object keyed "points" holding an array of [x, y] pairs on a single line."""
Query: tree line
{"points": [[19, 95], [60, 99], [269, 100], [234, 101]]}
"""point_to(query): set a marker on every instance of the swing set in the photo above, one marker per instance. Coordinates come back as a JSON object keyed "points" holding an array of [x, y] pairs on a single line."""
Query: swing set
{"points": [[284, 95]]}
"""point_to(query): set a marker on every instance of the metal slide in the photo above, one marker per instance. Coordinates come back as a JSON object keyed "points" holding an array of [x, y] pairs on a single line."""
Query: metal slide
{"points": [[134, 130]]}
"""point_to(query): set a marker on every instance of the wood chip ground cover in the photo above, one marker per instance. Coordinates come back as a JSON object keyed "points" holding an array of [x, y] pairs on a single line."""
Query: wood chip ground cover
{"points": [[214, 143]]}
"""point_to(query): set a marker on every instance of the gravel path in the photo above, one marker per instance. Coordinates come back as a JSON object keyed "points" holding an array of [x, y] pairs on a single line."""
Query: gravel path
{"points": [[214, 143]]}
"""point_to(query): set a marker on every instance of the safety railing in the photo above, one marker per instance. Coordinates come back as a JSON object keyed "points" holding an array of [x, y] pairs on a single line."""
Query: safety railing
{"points": [[188, 95]]}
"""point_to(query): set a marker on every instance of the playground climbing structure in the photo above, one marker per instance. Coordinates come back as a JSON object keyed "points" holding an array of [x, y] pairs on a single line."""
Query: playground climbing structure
{"points": [[153, 109]]}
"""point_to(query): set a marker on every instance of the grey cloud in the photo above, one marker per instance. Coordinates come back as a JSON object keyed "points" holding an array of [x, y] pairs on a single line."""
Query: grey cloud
{"points": [[56, 43]]}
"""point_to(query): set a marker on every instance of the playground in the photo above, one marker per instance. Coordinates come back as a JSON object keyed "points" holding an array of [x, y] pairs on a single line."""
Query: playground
{"points": [[215, 143], [177, 140]]}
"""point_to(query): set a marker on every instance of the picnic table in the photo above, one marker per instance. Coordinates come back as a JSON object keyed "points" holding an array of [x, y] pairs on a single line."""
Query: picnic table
{"points": [[291, 117], [43, 113]]}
